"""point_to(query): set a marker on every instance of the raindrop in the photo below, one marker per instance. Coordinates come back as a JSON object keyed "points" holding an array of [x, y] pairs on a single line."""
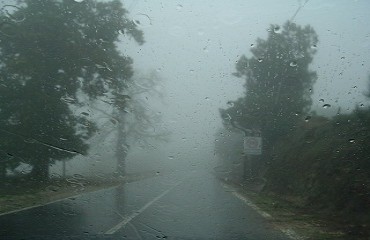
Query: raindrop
{"points": [[293, 64], [260, 60], [85, 114], [206, 98], [7, 29], [142, 20], [252, 45], [9, 11], [191, 71], [171, 157], [362, 105], [72, 181], [326, 105], [230, 103], [343, 58], [78, 176], [277, 29], [30, 140], [314, 46], [68, 99], [157, 173], [307, 118], [79, 1], [351, 140], [321, 100], [179, 7]]}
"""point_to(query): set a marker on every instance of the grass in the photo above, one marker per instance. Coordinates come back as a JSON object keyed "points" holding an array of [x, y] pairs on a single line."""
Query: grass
{"points": [[288, 213]]}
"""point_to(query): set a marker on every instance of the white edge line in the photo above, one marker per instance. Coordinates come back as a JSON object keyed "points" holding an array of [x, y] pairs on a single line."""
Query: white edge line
{"points": [[248, 202], [58, 200], [287, 231], [129, 218]]}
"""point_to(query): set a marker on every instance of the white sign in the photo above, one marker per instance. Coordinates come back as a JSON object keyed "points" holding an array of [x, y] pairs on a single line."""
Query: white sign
{"points": [[253, 145]]}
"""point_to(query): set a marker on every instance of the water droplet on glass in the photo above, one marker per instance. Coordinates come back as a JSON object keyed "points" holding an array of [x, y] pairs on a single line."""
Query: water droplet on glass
{"points": [[68, 99], [30, 140], [230, 103], [79, 1], [7, 29], [277, 29], [179, 7], [362, 105], [142, 20], [171, 157], [78, 176], [307, 118], [351, 140], [293, 64], [191, 71], [252, 45], [314, 46], [85, 114], [206, 98], [260, 60], [201, 32], [321, 100], [343, 58], [326, 105], [12, 13]]}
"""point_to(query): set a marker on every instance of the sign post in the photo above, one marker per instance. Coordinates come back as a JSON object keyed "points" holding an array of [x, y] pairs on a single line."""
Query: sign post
{"points": [[252, 149], [252, 145]]}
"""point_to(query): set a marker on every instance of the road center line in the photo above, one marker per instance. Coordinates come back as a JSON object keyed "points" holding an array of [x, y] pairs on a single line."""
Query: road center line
{"points": [[129, 218]]}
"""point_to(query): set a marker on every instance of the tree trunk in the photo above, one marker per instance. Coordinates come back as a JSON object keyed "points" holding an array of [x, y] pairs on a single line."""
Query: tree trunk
{"points": [[2, 171], [40, 171], [122, 148]]}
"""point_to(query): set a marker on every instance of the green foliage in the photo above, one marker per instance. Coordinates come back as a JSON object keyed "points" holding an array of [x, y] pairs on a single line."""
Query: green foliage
{"points": [[53, 52], [278, 81], [326, 162]]}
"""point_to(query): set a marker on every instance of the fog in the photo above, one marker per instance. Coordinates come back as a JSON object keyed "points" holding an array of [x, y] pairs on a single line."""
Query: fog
{"points": [[193, 47]]}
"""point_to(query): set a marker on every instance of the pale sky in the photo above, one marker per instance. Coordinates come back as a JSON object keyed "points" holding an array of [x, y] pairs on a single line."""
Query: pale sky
{"points": [[194, 45]]}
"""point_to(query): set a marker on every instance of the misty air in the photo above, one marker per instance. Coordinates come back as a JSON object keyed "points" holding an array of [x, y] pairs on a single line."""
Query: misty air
{"points": [[133, 119]]}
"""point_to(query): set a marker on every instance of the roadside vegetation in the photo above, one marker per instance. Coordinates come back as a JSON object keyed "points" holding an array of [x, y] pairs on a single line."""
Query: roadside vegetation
{"points": [[312, 167]]}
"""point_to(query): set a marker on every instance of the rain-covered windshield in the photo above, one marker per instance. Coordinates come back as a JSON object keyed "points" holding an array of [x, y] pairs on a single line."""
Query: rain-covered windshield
{"points": [[133, 119]]}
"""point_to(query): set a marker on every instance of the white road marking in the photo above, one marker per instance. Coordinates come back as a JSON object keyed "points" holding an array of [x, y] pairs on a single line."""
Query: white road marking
{"points": [[287, 231], [58, 200], [247, 201], [129, 218]]}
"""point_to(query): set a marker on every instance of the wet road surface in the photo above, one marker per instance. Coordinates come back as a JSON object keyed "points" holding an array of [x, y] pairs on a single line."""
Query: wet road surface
{"points": [[174, 206]]}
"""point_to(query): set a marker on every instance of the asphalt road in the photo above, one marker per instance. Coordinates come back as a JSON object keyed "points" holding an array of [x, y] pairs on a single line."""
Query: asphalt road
{"points": [[174, 206]]}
